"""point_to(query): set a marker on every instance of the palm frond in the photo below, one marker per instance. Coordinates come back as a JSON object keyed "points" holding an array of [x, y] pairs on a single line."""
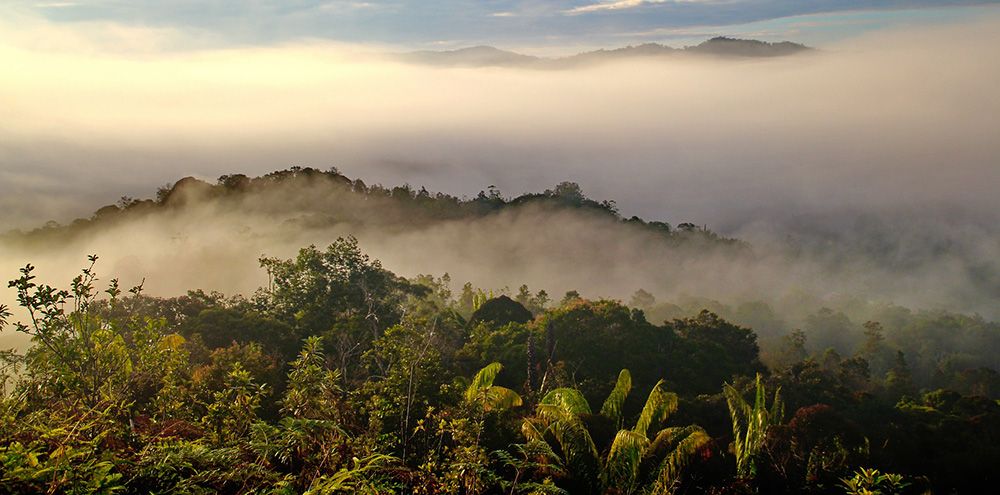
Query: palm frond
{"points": [[750, 424], [684, 444], [612, 407], [621, 468], [532, 429], [660, 405], [571, 400]]}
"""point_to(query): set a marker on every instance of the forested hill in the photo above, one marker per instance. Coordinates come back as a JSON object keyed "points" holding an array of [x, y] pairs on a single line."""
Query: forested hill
{"points": [[338, 374], [315, 199]]}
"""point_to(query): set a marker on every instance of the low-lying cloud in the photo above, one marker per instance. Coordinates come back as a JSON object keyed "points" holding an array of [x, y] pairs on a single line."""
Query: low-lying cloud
{"points": [[878, 155]]}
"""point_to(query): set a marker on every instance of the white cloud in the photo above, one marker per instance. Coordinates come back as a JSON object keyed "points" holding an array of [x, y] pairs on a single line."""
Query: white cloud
{"points": [[623, 4]]}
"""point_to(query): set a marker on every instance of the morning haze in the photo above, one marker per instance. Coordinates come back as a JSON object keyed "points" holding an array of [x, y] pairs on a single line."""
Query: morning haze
{"points": [[892, 128], [408, 247]]}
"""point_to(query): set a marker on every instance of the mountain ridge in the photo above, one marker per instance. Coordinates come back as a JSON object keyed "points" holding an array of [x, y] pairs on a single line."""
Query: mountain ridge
{"points": [[491, 56]]}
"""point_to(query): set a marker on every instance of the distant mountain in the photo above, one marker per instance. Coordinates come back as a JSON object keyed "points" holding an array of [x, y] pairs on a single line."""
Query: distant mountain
{"points": [[474, 56], [488, 56], [733, 47]]}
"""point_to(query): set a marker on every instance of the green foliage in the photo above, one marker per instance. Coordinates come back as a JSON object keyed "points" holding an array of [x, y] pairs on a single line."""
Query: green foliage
{"points": [[532, 461], [234, 408], [566, 399], [79, 355], [342, 378], [339, 293], [751, 424], [615, 402], [313, 391], [872, 482], [719, 350], [363, 476], [489, 397], [658, 407], [560, 415]]}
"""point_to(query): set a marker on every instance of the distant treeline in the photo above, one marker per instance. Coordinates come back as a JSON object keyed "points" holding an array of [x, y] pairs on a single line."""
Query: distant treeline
{"points": [[341, 377], [332, 197]]}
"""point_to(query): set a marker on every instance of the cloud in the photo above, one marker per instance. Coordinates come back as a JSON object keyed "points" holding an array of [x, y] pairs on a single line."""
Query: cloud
{"points": [[55, 5], [886, 144], [262, 22], [612, 5]]}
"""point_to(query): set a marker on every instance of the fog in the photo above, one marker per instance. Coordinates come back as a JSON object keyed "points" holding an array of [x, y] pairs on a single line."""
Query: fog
{"points": [[876, 156]]}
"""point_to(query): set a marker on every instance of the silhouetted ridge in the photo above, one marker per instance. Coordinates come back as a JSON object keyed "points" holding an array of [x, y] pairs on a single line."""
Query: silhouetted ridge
{"points": [[485, 56], [315, 198], [722, 45]]}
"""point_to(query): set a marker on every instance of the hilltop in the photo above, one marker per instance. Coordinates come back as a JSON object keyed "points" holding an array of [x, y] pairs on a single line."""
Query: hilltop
{"points": [[489, 56]]}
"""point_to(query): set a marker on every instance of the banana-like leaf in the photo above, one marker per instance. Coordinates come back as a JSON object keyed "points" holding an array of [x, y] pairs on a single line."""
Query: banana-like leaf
{"points": [[482, 381], [500, 398], [612, 407], [660, 405], [569, 399], [621, 470]]}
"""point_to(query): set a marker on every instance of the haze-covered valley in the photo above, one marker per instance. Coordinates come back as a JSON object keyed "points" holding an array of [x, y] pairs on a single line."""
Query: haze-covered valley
{"points": [[382, 247], [874, 160]]}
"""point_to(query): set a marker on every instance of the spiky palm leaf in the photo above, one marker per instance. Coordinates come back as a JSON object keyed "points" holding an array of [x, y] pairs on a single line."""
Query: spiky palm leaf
{"points": [[751, 423], [533, 429], [577, 446], [677, 446], [612, 408], [558, 417], [621, 468], [659, 406], [569, 399]]}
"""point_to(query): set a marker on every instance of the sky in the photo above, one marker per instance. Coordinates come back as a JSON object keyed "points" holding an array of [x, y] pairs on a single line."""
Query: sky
{"points": [[554, 26]]}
